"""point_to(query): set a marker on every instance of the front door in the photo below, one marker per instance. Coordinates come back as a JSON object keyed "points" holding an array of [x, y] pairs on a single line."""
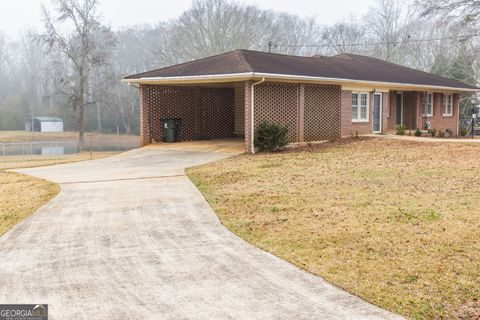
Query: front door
{"points": [[399, 109], [377, 112]]}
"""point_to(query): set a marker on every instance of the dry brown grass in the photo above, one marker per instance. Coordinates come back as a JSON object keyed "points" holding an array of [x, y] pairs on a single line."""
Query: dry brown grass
{"points": [[16, 162], [21, 195], [394, 222], [90, 137]]}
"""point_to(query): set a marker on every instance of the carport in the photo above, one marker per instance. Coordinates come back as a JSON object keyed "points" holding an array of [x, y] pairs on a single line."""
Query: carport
{"points": [[206, 111]]}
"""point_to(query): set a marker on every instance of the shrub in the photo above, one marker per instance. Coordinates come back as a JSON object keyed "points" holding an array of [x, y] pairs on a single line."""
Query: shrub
{"points": [[270, 136], [401, 130], [441, 134], [463, 132], [418, 133], [450, 132], [433, 132]]}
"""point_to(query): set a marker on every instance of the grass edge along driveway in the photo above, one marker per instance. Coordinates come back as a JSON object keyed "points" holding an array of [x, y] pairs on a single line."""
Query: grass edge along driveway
{"points": [[394, 222], [21, 195]]}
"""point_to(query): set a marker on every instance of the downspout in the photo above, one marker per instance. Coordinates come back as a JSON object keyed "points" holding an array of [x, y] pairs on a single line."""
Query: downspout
{"points": [[252, 115]]}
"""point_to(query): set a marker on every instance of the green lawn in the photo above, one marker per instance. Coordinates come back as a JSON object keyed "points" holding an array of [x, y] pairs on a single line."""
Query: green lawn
{"points": [[394, 222]]}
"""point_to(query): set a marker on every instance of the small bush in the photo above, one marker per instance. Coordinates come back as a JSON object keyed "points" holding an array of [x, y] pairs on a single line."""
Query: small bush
{"points": [[270, 136], [433, 132], [401, 130], [418, 133], [450, 132], [463, 132], [441, 134]]}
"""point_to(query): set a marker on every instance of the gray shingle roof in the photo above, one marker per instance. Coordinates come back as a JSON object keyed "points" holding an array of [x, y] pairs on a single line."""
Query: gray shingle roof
{"points": [[344, 66]]}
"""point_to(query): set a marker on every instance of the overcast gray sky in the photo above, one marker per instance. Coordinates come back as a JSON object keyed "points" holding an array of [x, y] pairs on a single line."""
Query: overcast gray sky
{"points": [[18, 15]]}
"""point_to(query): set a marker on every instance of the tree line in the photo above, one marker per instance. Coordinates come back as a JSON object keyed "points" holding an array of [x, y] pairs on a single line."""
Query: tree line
{"points": [[72, 67]]}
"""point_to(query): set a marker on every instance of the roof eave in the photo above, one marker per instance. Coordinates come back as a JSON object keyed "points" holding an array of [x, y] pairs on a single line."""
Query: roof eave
{"points": [[233, 77], [212, 78]]}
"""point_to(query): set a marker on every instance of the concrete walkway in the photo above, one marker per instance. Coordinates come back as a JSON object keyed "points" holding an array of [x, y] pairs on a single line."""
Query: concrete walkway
{"points": [[424, 139], [130, 237]]}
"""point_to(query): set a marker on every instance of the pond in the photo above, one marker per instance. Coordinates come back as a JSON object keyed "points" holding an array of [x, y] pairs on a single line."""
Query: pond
{"points": [[58, 147]]}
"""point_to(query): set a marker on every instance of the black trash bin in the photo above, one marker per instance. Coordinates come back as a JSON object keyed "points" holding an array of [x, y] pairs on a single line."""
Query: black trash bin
{"points": [[171, 129]]}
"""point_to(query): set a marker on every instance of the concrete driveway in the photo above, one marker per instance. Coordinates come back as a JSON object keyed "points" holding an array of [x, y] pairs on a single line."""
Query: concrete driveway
{"points": [[130, 237]]}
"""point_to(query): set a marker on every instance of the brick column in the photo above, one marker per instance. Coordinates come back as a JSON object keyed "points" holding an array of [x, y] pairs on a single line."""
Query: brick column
{"points": [[301, 113], [248, 116], [345, 113], [456, 111], [385, 110], [144, 117], [420, 111], [198, 112]]}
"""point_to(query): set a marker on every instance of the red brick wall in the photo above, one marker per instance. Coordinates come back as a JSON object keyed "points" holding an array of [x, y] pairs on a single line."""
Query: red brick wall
{"points": [[312, 112], [385, 111], [439, 121], [350, 128], [346, 113], [391, 118]]}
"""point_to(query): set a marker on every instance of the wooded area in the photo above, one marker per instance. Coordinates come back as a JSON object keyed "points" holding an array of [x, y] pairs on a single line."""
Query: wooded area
{"points": [[76, 62]]}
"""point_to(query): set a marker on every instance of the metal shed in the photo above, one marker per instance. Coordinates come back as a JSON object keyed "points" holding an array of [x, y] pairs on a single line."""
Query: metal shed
{"points": [[45, 124]]}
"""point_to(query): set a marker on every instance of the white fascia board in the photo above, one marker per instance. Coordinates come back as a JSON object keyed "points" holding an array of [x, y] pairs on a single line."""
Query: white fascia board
{"points": [[286, 77], [210, 77]]}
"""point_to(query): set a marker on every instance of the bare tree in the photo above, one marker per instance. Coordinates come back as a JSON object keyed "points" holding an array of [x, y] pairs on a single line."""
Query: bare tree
{"points": [[291, 34], [215, 26], [4, 62], [344, 37], [467, 11], [86, 46], [31, 64], [391, 22]]}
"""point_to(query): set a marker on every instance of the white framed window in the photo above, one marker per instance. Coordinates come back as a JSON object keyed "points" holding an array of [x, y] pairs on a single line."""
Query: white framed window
{"points": [[360, 107], [428, 104], [447, 105]]}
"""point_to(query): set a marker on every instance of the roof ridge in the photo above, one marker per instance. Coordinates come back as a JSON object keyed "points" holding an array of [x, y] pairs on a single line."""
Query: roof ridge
{"points": [[275, 53], [243, 59]]}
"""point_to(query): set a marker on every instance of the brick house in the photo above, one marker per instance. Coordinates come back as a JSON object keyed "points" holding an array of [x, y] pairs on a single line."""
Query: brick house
{"points": [[318, 98]]}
